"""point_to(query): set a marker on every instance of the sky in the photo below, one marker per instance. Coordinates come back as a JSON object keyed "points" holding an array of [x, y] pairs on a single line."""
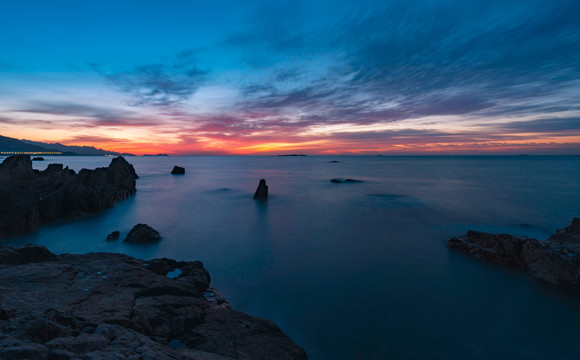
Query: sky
{"points": [[311, 77]]}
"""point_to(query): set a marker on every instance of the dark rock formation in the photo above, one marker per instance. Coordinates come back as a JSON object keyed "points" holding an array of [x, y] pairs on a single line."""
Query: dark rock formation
{"points": [[30, 197], [178, 170], [114, 235], [556, 260], [569, 234], [112, 306], [340, 181], [334, 161], [262, 191], [142, 234], [38, 158]]}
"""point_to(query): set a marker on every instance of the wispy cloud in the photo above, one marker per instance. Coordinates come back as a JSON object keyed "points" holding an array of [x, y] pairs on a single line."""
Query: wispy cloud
{"points": [[161, 84]]}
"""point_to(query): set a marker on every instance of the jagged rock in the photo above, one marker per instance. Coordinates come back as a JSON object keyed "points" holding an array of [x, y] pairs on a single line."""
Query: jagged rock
{"points": [[17, 166], [114, 235], [570, 234], [112, 306], [340, 181], [556, 260], [178, 170], [262, 191], [30, 199], [142, 234]]}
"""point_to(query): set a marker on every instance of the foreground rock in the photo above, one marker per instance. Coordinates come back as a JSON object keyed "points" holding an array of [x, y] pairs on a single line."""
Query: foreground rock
{"points": [[31, 197], [262, 191], [112, 306], [556, 260], [178, 170], [142, 234]]}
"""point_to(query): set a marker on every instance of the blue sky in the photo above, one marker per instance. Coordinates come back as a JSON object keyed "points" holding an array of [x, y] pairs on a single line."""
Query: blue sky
{"points": [[353, 77]]}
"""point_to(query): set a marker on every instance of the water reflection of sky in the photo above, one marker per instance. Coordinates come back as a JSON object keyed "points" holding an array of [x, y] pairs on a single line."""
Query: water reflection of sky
{"points": [[357, 270]]}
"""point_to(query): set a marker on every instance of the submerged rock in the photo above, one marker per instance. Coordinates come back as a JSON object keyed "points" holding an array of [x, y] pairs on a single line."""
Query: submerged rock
{"points": [[556, 260], [262, 191], [178, 170], [112, 306], [114, 235], [340, 181], [31, 198], [142, 234]]}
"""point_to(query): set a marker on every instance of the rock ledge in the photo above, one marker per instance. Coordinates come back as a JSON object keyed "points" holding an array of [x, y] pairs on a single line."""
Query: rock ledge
{"points": [[556, 260], [112, 306]]}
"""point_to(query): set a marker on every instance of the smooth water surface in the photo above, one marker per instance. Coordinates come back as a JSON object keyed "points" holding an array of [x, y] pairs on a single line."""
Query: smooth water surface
{"points": [[357, 270]]}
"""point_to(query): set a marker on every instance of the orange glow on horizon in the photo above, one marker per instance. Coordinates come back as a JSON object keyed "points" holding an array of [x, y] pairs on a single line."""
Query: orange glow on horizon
{"points": [[172, 141]]}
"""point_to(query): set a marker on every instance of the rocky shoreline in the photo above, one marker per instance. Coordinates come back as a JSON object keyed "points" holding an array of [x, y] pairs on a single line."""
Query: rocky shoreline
{"points": [[113, 306], [31, 198], [556, 260]]}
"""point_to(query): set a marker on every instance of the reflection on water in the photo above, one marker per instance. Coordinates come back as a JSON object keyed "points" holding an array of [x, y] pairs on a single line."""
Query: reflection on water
{"points": [[361, 271]]}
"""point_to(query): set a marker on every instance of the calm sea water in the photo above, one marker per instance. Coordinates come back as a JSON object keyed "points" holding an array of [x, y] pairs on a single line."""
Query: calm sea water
{"points": [[361, 270]]}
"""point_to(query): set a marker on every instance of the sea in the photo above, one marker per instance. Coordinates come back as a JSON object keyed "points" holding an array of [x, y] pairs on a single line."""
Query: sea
{"points": [[357, 270]]}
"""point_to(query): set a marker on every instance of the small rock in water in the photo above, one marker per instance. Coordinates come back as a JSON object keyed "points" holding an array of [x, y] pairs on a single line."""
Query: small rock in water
{"points": [[142, 234], [262, 191], [178, 170], [114, 235], [38, 158], [340, 181]]}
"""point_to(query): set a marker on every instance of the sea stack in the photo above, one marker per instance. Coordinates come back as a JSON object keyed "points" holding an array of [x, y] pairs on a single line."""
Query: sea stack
{"points": [[262, 191], [178, 170]]}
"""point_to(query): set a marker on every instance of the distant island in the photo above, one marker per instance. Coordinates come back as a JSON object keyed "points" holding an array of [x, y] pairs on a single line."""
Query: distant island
{"points": [[292, 155], [156, 155]]}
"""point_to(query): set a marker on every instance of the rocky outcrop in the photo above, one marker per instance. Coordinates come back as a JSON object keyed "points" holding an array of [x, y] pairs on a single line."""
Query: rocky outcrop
{"points": [[112, 306], [38, 158], [30, 197], [262, 191], [178, 170], [142, 234], [556, 260]]}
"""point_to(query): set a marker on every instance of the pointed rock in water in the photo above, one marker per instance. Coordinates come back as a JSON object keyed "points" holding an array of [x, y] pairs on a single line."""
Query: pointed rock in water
{"points": [[262, 191], [142, 234], [114, 235], [178, 170]]}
